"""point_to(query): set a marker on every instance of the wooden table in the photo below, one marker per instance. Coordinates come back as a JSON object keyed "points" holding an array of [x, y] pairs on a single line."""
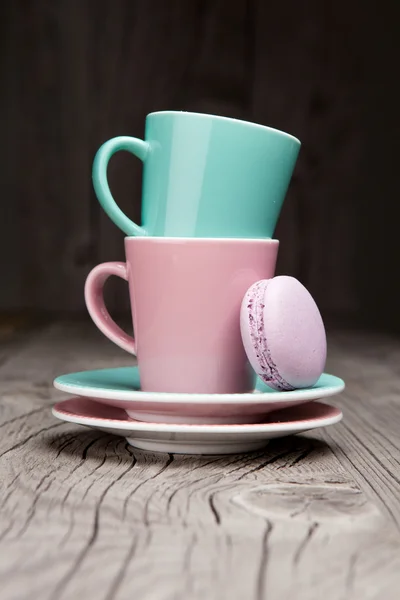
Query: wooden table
{"points": [[84, 516]]}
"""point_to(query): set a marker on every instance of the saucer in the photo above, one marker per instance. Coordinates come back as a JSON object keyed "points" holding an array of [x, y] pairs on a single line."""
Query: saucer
{"points": [[120, 387], [197, 439]]}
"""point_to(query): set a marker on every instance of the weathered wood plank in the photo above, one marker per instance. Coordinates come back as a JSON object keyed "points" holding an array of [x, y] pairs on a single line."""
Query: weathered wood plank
{"points": [[197, 61], [10, 246], [312, 516], [75, 73], [311, 86], [53, 186]]}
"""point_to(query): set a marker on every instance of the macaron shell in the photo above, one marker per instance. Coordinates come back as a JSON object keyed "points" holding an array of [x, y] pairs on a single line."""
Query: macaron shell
{"points": [[294, 331], [252, 334], [246, 327]]}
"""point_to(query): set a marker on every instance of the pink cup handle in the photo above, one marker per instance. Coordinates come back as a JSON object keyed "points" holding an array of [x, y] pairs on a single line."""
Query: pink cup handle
{"points": [[97, 309]]}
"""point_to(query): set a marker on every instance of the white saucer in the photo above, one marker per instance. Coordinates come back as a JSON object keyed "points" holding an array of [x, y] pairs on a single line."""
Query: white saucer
{"points": [[197, 439], [120, 387]]}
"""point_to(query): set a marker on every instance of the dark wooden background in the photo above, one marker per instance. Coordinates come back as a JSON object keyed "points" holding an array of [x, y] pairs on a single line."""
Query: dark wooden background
{"points": [[77, 72]]}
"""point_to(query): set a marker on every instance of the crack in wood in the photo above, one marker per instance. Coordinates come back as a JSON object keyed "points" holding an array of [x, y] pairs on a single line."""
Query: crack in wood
{"points": [[10, 489], [187, 565], [172, 495], [269, 461], [214, 511], [30, 437], [66, 444], [89, 445], [302, 456], [65, 580], [304, 543], [302, 509], [376, 490], [38, 497], [76, 467], [97, 468], [142, 483], [121, 573], [262, 569], [24, 416], [392, 473]]}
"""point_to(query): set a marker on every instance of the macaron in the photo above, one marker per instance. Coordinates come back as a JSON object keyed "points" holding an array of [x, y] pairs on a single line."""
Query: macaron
{"points": [[283, 333]]}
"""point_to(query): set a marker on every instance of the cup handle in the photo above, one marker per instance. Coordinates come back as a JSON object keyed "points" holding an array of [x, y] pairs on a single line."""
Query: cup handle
{"points": [[138, 148], [94, 299]]}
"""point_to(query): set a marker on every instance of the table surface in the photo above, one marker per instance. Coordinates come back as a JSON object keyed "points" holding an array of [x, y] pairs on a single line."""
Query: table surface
{"points": [[83, 515]]}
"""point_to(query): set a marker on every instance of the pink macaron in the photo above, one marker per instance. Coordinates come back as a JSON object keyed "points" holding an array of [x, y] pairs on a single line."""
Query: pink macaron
{"points": [[283, 333]]}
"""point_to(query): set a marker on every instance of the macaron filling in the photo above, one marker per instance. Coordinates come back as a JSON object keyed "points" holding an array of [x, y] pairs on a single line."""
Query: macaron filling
{"points": [[268, 371]]}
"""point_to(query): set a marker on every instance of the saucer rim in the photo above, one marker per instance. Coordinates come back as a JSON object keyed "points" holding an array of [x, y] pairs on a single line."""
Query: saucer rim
{"points": [[132, 425], [256, 397]]}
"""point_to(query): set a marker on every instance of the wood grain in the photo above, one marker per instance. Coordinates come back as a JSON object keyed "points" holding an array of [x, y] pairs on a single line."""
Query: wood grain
{"points": [[84, 515]]}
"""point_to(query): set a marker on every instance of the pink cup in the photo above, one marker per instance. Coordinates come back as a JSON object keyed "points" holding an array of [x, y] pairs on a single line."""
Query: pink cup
{"points": [[185, 300]]}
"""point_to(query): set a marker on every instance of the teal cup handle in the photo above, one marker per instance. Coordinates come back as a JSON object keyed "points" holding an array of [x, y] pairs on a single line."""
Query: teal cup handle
{"points": [[138, 148], [204, 176]]}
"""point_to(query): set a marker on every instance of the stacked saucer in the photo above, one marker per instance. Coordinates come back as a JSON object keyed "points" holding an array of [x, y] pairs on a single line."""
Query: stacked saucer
{"points": [[111, 400], [229, 355]]}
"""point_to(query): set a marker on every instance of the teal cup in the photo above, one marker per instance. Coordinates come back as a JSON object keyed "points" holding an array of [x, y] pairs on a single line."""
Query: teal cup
{"points": [[203, 176]]}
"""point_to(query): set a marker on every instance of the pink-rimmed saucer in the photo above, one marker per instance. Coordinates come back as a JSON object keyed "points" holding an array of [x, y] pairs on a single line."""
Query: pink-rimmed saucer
{"points": [[195, 438]]}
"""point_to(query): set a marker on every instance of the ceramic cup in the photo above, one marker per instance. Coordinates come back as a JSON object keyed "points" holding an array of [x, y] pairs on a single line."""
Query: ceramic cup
{"points": [[203, 176], [185, 298]]}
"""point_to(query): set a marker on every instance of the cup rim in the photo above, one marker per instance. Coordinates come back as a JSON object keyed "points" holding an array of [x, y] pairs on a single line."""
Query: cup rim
{"points": [[159, 239], [220, 117]]}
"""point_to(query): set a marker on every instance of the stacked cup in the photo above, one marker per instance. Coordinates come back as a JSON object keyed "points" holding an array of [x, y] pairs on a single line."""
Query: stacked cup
{"points": [[212, 191], [205, 304]]}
